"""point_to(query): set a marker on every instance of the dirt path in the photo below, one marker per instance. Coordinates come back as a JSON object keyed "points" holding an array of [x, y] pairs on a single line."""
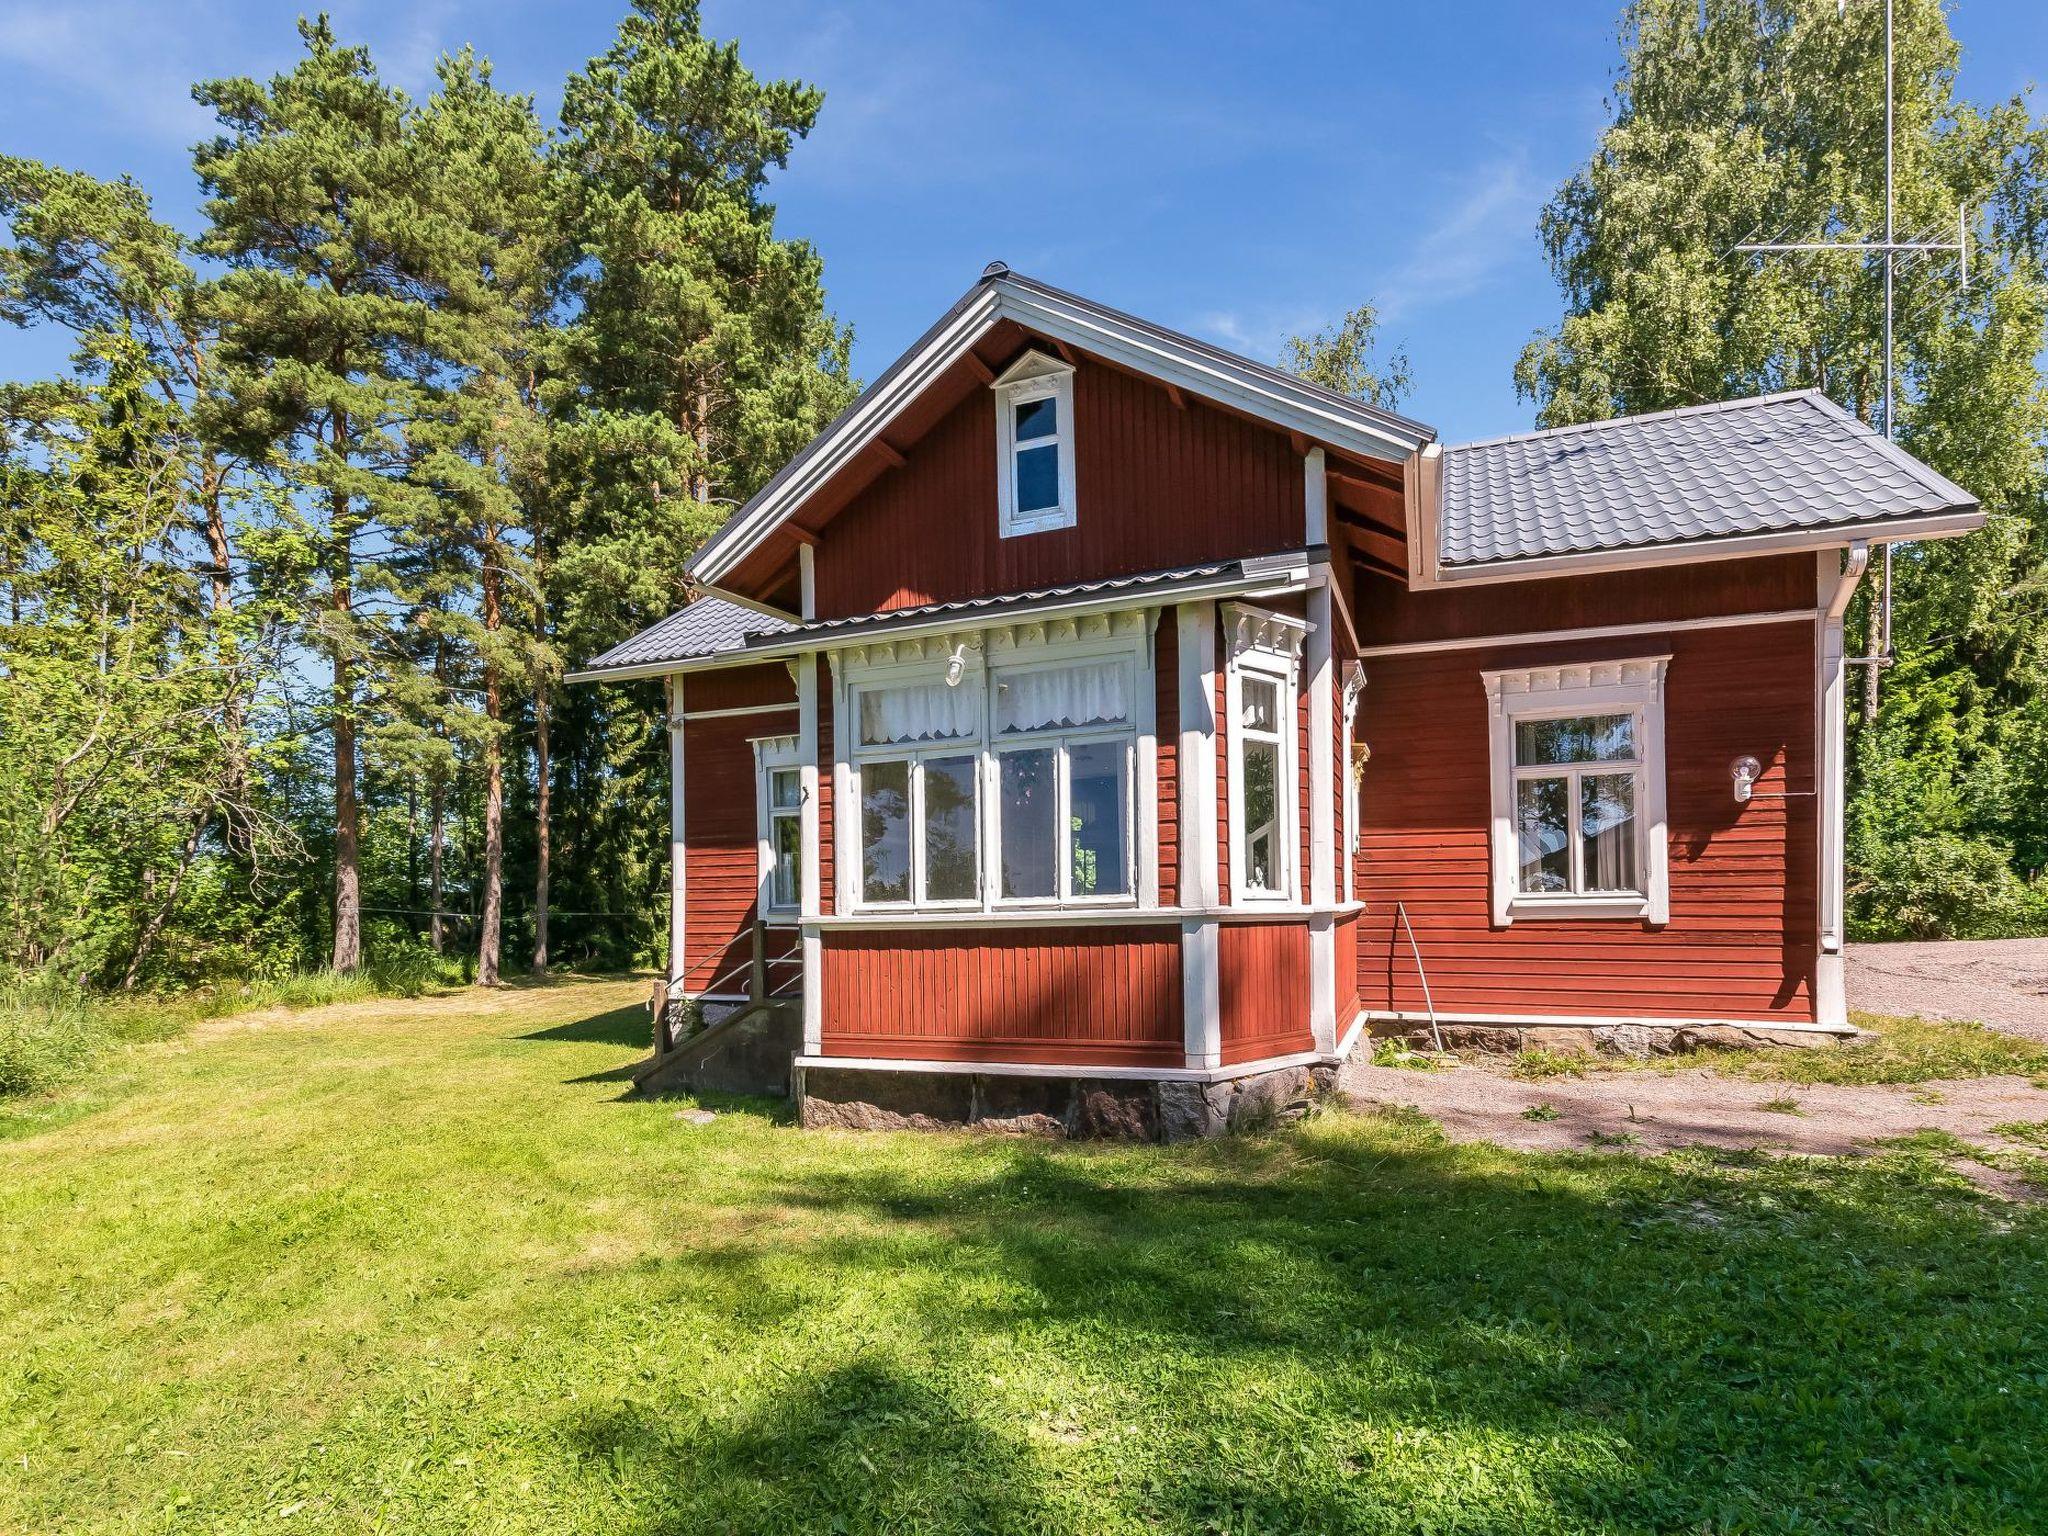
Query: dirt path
{"points": [[1654, 1111], [1999, 982]]}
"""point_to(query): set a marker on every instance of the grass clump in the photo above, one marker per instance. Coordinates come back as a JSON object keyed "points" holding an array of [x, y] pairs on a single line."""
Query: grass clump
{"points": [[1535, 1065], [1540, 1112], [1784, 1104]]}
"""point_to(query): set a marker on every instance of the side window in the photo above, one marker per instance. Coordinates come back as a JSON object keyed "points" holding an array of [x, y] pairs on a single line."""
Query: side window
{"points": [[1035, 446], [1262, 696], [779, 805], [1578, 791]]}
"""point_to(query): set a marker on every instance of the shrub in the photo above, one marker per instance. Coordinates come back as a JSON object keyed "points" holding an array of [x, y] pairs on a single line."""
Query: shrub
{"points": [[1940, 885]]}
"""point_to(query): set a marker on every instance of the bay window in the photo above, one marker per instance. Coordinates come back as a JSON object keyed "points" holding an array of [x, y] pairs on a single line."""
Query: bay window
{"points": [[1005, 786], [1578, 791]]}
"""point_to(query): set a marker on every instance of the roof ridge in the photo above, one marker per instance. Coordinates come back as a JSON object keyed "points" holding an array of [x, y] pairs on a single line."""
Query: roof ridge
{"points": [[1704, 408]]}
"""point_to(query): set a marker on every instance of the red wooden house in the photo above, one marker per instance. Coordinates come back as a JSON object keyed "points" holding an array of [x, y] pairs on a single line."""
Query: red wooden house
{"points": [[1090, 722]]}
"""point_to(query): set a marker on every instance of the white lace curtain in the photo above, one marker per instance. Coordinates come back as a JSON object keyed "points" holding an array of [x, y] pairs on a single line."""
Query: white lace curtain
{"points": [[1090, 693], [920, 712]]}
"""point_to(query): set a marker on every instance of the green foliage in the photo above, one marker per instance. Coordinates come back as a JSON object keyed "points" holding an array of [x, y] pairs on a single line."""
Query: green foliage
{"points": [[1345, 359], [1736, 121]]}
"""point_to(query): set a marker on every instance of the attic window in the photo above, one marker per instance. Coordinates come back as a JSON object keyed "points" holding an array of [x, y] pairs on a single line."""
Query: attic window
{"points": [[1035, 445]]}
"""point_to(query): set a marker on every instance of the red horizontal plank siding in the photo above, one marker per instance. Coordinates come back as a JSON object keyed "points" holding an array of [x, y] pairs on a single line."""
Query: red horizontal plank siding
{"points": [[1158, 486], [1089, 997], [721, 851], [1263, 986], [827, 842], [1743, 934]]}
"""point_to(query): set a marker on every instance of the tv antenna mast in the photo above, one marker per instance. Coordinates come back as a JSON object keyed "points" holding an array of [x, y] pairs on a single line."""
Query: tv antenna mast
{"points": [[1889, 249]]}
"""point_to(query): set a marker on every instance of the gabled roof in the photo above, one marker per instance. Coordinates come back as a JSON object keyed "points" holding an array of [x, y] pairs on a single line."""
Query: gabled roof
{"points": [[1787, 464], [1269, 394], [709, 626]]}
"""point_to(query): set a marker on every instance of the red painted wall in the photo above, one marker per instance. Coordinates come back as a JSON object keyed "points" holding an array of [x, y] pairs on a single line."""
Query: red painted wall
{"points": [[1263, 982], [721, 852], [828, 854], [1105, 995], [1743, 933], [1346, 929], [1159, 487], [1166, 730]]}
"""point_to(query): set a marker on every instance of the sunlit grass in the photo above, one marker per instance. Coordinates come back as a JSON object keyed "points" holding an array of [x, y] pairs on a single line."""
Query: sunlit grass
{"points": [[420, 1267]]}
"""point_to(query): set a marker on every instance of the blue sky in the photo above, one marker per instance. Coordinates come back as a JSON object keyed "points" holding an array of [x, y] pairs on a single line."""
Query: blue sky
{"points": [[1235, 171]]}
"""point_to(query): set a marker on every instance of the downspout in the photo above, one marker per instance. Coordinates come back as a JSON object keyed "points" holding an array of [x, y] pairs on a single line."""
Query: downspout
{"points": [[1831, 1003], [1852, 573]]}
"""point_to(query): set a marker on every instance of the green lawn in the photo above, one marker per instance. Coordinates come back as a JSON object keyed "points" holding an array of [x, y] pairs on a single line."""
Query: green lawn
{"points": [[419, 1267]]}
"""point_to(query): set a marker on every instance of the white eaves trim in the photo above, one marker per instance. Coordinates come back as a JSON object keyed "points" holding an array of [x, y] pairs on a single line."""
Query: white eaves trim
{"points": [[1939, 525], [1289, 405]]}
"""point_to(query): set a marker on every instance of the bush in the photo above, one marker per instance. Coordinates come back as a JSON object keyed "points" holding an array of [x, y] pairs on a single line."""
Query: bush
{"points": [[1941, 885]]}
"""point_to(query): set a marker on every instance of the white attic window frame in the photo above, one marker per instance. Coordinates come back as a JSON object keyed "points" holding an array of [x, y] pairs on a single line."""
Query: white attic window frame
{"points": [[1034, 377]]}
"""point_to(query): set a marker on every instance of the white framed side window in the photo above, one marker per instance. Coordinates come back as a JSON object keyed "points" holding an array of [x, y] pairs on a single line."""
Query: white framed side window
{"points": [[1577, 774], [1353, 764], [778, 816], [1034, 446], [1262, 687]]}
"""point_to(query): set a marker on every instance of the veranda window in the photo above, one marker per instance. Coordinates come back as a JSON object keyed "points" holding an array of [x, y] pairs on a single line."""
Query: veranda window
{"points": [[919, 810], [1263, 683], [1063, 778]]}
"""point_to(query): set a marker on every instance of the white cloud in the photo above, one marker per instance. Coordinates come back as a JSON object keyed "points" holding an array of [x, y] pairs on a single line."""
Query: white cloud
{"points": [[1484, 230]]}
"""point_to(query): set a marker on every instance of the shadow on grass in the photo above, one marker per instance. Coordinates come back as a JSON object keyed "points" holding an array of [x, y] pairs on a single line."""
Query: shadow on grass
{"points": [[1359, 1327], [627, 1025]]}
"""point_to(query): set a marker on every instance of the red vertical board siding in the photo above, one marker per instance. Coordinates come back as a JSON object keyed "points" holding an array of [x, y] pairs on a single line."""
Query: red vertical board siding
{"points": [[827, 841], [1166, 730], [1743, 935], [721, 850], [1157, 486], [1304, 745], [1102, 995], [1348, 1004], [1262, 973]]}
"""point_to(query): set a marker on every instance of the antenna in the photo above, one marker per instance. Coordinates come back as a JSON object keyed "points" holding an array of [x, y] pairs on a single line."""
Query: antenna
{"points": [[1889, 248]]}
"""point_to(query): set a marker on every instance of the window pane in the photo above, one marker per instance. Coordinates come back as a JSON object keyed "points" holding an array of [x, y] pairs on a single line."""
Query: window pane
{"points": [[1261, 805], [1580, 739], [1030, 828], [885, 831], [1095, 810], [782, 789], [1540, 809], [1607, 831], [1038, 479], [1259, 703], [950, 866], [1093, 693], [1038, 418], [787, 836]]}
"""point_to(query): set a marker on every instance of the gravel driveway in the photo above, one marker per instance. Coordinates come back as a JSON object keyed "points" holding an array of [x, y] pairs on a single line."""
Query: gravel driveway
{"points": [[1999, 982], [2002, 983]]}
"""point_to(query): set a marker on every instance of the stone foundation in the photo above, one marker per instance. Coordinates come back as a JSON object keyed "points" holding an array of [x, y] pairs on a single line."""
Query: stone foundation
{"points": [[1633, 1040], [1077, 1108]]}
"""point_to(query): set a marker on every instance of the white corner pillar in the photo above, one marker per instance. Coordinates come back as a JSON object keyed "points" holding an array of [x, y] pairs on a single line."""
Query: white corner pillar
{"points": [[1196, 762], [808, 898], [677, 922], [1836, 581], [1320, 679]]}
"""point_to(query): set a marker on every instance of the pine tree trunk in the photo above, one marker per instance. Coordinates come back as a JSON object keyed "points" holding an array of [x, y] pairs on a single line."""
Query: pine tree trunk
{"points": [[348, 891], [494, 789], [436, 840], [540, 826]]}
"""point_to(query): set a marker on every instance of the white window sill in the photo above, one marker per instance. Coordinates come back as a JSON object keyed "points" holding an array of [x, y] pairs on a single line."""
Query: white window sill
{"points": [[1546, 908]]}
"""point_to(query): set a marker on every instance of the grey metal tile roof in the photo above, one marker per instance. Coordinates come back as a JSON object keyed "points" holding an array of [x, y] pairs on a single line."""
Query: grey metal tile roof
{"points": [[1776, 462], [709, 626]]}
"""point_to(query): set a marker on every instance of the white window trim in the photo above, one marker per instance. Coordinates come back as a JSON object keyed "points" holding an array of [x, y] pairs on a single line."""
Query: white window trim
{"points": [[773, 754], [1635, 687], [985, 656], [1353, 800], [1034, 376], [1267, 645]]}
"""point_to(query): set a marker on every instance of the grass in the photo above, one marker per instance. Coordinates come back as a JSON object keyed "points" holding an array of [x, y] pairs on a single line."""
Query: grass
{"points": [[1783, 1104], [1902, 1051], [421, 1267]]}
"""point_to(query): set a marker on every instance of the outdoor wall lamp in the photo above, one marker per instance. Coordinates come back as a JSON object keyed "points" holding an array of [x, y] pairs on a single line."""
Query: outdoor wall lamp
{"points": [[1745, 772], [956, 668]]}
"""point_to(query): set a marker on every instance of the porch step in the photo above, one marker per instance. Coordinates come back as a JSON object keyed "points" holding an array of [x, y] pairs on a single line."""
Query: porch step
{"points": [[745, 1052]]}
